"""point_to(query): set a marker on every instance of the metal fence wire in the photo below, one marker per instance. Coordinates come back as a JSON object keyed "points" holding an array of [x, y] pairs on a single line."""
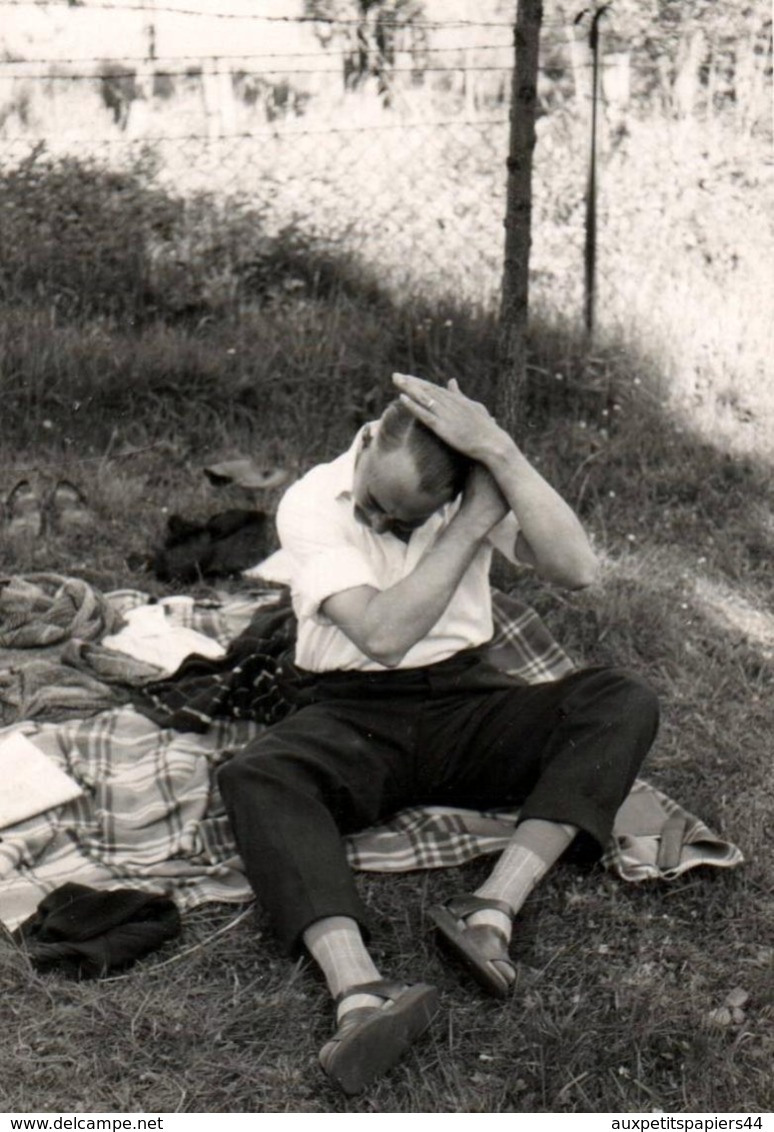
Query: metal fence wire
{"points": [[387, 143]]}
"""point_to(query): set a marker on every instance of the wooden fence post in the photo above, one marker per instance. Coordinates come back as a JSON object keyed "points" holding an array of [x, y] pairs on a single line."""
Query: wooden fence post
{"points": [[514, 306]]}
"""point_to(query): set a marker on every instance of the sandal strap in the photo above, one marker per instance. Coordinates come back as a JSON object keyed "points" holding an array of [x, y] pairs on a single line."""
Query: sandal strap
{"points": [[351, 1019], [388, 989], [463, 906], [490, 942]]}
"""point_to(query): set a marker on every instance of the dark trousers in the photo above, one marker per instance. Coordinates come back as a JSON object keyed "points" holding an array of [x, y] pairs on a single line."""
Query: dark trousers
{"points": [[361, 746]]}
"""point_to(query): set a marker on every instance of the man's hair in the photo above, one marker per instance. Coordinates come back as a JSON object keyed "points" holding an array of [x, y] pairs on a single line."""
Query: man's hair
{"points": [[442, 469]]}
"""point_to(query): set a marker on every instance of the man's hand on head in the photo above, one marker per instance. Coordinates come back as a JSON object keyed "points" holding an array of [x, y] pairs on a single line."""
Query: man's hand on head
{"points": [[551, 536], [464, 424]]}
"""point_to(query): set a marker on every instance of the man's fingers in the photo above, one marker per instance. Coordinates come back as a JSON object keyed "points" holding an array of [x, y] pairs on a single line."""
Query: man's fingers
{"points": [[420, 408], [415, 386], [408, 382], [415, 391], [453, 386]]}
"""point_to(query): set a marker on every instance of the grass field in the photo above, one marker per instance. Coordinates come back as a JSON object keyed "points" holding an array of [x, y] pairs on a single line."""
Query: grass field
{"points": [[128, 374]]}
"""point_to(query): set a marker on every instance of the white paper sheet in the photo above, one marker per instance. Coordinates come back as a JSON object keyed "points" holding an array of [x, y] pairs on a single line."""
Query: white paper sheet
{"points": [[30, 782]]}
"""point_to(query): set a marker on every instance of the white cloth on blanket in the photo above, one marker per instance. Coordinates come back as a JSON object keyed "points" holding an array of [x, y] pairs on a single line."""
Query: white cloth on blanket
{"points": [[32, 783], [150, 635], [277, 568]]}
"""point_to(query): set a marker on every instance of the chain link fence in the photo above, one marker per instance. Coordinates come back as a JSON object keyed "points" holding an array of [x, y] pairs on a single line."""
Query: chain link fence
{"points": [[413, 187], [393, 152]]}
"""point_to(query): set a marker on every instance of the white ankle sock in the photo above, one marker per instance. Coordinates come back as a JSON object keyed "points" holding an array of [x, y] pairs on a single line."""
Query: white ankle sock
{"points": [[534, 849], [513, 878], [336, 945]]}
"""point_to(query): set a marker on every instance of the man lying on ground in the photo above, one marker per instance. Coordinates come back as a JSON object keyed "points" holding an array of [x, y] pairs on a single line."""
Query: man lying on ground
{"points": [[390, 548]]}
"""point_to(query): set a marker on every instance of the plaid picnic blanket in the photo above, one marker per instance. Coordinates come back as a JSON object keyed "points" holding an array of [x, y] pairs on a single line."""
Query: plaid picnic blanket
{"points": [[151, 817]]}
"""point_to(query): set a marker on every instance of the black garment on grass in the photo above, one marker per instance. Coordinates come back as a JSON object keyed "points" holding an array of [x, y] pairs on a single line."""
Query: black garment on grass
{"points": [[85, 933], [225, 544]]}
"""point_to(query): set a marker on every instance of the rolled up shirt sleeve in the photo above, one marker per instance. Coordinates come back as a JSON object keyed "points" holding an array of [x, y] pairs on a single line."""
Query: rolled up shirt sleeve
{"points": [[324, 559], [503, 537]]}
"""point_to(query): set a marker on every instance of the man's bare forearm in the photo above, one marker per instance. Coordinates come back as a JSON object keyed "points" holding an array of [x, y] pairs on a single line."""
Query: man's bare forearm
{"points": [[551, 536], [555, 538], [386, 624]]}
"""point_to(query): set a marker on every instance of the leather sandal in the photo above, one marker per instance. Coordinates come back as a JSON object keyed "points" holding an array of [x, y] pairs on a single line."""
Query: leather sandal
{"points": [[23, 511], [369, 1040], [479, 947], [69, 508]]}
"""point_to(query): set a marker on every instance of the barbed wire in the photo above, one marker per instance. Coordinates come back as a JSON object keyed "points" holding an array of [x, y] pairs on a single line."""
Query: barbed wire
{"points": [[324, 52], [153, 72], [383, 20], [294, 131]]}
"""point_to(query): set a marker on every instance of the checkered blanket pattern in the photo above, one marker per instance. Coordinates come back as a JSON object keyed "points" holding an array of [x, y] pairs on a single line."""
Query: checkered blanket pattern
{"points": [[151, 817]]}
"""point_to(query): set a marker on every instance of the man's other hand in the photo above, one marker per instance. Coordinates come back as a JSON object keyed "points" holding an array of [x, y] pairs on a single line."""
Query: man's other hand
{"points": [[483, 504], [464, 424]]}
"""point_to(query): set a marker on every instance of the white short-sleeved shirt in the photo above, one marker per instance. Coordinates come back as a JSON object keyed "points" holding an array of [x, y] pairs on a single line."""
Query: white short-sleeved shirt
{"points": [[326, 551]]}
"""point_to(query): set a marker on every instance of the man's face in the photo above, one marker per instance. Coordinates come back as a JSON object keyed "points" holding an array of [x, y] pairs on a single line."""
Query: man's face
{"points": [[387, 494]]}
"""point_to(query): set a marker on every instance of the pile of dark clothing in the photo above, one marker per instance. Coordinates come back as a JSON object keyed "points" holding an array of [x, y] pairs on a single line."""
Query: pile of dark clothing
{"points": [[85, 933], [224, 545], [243, 684]]}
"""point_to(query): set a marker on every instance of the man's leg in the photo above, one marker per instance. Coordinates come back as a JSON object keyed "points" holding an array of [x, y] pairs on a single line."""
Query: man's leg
{"points": [[568, 752], [336, 944], [290, 795], [534, 849], [479, 927], [376, 1020]]}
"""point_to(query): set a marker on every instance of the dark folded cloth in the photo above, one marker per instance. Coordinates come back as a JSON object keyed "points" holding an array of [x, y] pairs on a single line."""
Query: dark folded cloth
{"points": [[242, 684], [85, 933], [225, 544]]}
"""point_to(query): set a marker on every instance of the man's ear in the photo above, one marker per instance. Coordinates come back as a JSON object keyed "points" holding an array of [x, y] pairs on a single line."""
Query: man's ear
{"points": [[365, 444]]}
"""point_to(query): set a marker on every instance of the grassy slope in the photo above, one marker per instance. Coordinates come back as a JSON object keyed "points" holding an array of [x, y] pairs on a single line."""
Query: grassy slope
{"points": [[620, 982]]}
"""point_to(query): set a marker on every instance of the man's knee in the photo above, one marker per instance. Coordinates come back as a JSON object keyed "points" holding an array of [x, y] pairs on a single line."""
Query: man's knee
{"points": [[630, 702], [236, 772], [265, 773], [617, 694], [638, 695]]}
